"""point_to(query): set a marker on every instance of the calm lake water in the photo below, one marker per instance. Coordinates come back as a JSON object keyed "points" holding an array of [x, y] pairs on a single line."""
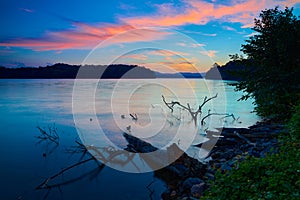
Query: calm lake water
{"points": [[76, 113]]}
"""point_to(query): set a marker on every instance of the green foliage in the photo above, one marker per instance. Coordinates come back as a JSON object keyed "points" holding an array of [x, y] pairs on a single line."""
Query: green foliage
{"points": [[271, 76], [294, 124], [275, 177], [236, 57], [272, 70]]}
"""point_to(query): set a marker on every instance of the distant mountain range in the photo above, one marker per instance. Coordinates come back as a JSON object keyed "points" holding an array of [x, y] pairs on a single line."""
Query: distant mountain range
{"points": [[116, 71], [66, 71]]}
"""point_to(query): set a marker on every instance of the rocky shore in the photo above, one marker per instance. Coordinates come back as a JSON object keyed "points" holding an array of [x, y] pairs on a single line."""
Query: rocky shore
{"points": [[188, 178]]}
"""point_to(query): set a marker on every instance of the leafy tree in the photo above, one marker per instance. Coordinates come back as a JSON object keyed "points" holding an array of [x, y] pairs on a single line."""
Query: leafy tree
{"points": [[272, 75]]}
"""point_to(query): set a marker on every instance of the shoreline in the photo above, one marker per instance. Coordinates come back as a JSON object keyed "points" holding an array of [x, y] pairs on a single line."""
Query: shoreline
{"points": [[189, 178]]}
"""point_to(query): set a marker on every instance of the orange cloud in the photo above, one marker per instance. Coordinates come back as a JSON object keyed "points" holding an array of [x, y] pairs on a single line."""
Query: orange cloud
{"points": [[166, 53], [171, 67], [200, 12], [209, 53], [167, 61], [174, 64], [87, 36], [135, 56]]}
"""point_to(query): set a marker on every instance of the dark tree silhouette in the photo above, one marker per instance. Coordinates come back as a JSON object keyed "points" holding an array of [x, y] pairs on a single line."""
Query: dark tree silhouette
{"points": [[273, 63]]}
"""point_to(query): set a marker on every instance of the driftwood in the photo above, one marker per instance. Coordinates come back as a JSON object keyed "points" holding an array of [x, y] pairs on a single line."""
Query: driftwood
{"points": [[134, 117], [244, 138], [195, 113], [161, 159], [198, 111]]}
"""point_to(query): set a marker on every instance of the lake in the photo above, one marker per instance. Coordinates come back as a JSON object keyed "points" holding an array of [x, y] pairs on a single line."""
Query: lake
{"points": [[96, 113]]}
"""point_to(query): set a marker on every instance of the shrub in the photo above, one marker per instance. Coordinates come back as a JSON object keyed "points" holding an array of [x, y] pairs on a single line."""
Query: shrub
{"points": [[277, 176], [294, 124]]}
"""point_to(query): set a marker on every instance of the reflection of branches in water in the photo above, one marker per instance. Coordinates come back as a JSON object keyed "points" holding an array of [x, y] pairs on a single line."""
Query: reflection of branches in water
{"points": [[48, 135], [92, 174], [45, 185], [80, 148], [101, 152], [151, 191], [87, 153], [97, 154]]}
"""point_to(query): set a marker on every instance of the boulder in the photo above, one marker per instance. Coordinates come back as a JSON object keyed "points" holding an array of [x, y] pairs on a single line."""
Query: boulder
{"points": [[197, 190]]}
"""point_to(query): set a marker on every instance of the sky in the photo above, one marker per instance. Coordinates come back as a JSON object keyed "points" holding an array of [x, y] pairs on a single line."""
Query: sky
{"points": [[167, 36]]}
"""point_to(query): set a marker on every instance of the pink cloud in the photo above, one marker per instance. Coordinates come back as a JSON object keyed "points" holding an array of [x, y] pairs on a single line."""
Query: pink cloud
{"points": [[86, 36], [200, 12]]}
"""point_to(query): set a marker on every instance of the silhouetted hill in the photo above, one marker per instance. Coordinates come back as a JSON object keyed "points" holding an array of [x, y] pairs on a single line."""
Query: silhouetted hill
{"points": [[229, 71], [66, 71]]}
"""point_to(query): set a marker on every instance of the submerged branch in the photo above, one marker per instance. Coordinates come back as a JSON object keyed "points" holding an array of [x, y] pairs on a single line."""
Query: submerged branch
{"points": [[207, 100], [222, 114], [134, 117]]}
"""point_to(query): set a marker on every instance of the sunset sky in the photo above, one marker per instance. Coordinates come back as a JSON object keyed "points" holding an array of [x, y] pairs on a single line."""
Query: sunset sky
{"points": [[184, 35]]}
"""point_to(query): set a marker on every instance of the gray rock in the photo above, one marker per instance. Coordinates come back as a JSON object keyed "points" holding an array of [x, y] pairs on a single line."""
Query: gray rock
{"points": [[209, 176], [226, 167], [197, 190], [188, 183], [189, 198]]}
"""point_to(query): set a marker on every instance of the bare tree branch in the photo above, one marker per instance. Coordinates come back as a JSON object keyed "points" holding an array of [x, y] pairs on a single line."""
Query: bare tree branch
{"points": [[207, 100], [194, 114]]}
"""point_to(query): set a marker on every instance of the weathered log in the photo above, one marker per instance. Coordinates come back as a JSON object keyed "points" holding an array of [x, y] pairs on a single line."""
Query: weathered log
{"points": [[172, 160]]}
